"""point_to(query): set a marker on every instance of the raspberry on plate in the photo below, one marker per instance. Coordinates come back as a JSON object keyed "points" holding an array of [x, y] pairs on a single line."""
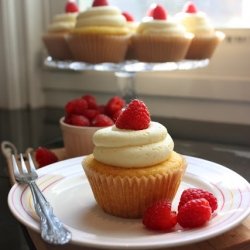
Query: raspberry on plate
{"points": [[135, 116], [159, 216], [45, 157], [197, 193], [194, 213], [102, 120]]}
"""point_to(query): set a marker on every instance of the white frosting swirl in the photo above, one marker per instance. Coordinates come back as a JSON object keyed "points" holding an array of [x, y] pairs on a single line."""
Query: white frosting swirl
{"points": [[129, 148], [63, 22], [101, 16], [150, 26], [196, 23]]}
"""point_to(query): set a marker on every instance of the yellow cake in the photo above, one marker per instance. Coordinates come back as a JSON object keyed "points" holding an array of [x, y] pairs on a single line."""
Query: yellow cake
{"points": [[131, 169], [100, 35]]}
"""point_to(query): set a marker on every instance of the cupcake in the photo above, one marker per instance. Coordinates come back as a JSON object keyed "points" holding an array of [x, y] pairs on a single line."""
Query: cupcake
{"points": [[206, 39], [160, 38], [54, 38], [100, 35], [132, 26], [133, 164]]}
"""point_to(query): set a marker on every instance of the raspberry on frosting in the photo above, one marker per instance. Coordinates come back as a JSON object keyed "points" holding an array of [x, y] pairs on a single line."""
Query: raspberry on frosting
{"points": [[97, 3], [135, 117], [128, 17], [71, 7], [159, 13], [190, 7]]}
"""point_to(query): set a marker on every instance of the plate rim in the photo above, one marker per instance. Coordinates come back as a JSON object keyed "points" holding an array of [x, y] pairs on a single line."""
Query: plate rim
{"points": [[105, 245]]}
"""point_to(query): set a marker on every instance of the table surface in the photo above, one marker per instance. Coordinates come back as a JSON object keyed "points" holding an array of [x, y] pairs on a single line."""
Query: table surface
{"points": [[237, 238], [225, 144]]}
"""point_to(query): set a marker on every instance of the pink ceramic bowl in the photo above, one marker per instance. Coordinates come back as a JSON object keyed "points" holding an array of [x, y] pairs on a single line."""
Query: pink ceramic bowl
{"points": [[77, 140]]}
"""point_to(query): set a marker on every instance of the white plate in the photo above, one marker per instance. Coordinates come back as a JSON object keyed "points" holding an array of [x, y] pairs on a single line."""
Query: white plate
{"points": [[65, 186]]}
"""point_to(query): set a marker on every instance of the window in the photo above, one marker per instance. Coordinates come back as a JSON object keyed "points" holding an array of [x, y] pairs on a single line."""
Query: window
{"points": [[223, 13]]}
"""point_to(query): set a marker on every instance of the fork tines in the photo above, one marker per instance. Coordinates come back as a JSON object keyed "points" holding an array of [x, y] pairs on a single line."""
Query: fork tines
{"points": [[23, 165]]}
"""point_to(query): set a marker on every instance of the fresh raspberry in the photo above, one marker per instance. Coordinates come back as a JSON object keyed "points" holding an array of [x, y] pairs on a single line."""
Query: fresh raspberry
{"points": [[116, 114], [90, 113], [80, 120], [45, 157], [76, 106], [159, 216], [151, 9], [101, 108], [128, 17], [197, 193], [92, 104], [102, 120], [71, 7], [99, 3], [68, 119], [190, 7], [114, 104], [135, 116], [159, 13], [194, 213]]}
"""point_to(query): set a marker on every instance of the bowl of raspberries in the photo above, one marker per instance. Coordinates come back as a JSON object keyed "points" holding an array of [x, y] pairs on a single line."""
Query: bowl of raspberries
{"points": [[84, 116]]}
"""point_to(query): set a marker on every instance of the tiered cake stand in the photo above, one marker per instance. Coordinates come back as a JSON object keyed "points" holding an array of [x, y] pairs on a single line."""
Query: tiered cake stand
{"points": [[126, 71]]}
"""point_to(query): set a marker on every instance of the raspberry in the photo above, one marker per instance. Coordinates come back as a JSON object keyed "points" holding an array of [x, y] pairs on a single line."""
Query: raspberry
{"points": [[159, 216], [128, 17], [159, 13], [71, 7], [45, 157], [102, 120], [114, 104], [194, 213], [68, 119], [92, 104], [116, 114], [99, 3], [135, 116], [90, 113], [80, 120], [76, 106], [190, 7], [151, 9], [197, 193], [101, 109]]}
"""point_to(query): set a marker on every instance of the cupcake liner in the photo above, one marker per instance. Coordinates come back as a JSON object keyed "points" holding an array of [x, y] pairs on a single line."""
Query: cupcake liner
{"points": [[130, 54], [57, 46], [152, 48], [94, 49], [128, 197], [203, 46]]}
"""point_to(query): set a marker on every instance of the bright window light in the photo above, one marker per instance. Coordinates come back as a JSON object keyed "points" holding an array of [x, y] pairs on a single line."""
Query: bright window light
{"points": [[223, 13]]}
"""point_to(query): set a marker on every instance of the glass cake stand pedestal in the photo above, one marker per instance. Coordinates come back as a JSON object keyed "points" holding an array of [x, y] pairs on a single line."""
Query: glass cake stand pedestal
{"points": [[126, 71]]}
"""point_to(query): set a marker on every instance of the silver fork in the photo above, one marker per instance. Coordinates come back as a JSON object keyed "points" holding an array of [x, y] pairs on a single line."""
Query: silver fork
{"points": [[52, 230]]}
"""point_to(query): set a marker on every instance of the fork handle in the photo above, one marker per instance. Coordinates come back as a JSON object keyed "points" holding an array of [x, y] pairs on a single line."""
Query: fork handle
{"points": [[52, 229]]}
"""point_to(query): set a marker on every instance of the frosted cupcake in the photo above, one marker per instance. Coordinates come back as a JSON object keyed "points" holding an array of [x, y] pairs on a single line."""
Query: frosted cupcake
{"points": [[206, 39], [54, 38], [160, 38], [133, 164], [100, 34]]}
